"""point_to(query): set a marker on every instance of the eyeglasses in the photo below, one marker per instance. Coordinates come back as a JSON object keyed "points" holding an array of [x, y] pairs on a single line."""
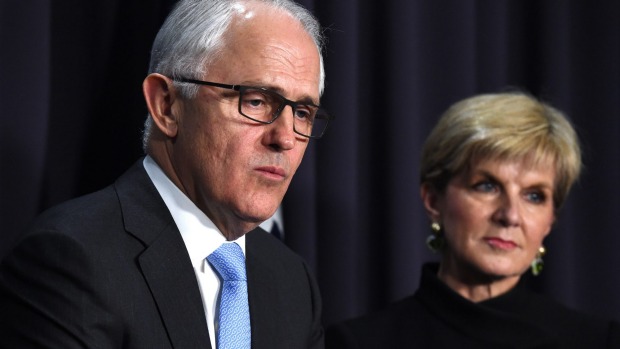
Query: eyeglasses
{"points": [[264, 106]]}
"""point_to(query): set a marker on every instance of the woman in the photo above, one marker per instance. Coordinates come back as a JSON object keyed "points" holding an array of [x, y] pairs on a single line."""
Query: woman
{"points": [[494, 172]]}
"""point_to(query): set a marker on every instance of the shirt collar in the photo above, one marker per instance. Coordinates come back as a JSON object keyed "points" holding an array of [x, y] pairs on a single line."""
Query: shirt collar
{"points": [[200, 235]]}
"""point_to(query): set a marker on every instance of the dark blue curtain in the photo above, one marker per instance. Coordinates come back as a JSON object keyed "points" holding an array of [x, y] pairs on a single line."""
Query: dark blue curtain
{"points": [[72, 110]]}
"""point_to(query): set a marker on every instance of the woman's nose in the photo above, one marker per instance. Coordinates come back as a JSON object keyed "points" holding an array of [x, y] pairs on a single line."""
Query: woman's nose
{"points": [[507, 212]]}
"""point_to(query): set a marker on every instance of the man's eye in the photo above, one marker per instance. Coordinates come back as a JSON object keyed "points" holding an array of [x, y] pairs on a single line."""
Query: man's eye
{"points": [[254, 99], [302, 113], [255, 102]]}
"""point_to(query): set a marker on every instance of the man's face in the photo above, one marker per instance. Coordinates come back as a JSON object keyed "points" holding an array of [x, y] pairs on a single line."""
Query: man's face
{"points": [[235, 169]]}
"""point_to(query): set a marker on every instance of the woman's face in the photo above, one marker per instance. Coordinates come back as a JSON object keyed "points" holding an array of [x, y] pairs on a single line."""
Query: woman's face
{"points": [[494, 217]]}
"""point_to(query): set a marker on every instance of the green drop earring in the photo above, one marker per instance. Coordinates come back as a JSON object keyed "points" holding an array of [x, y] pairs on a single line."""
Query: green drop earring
{"points": [[538, 263], [435, 241]]}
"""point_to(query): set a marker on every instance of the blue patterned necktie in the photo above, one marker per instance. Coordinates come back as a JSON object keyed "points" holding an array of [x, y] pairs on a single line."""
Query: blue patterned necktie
{"points": [[234, 315]]}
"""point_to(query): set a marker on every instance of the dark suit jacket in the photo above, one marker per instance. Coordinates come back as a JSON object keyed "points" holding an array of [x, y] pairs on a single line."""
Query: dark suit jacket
{"points": [[110, 270], [437, 317]]}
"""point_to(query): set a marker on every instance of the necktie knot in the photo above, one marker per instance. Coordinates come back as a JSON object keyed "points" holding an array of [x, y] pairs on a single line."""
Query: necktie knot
{"points": [[229, 262]]}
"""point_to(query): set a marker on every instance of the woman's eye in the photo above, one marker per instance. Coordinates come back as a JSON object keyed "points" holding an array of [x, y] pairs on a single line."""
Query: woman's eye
{"points": [[485, 186], [536, 197]]}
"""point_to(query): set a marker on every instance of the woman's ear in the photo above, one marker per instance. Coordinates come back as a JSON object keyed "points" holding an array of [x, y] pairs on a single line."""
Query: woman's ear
{"points": [[160, 95], [430, 199]]}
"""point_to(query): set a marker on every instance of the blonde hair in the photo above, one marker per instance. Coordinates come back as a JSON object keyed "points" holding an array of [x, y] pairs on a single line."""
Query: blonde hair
{"points": [[502, 126]]}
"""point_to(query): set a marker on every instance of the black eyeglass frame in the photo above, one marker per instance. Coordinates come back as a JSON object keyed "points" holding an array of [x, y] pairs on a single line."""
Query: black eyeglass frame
{"points": [[320, 114]]}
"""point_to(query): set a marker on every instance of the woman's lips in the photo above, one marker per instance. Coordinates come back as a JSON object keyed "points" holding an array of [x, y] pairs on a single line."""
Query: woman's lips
{"points": [[501, 243]]}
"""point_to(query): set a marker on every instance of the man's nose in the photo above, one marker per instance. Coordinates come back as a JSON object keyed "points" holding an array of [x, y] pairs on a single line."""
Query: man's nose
{"points": [[282, 128]]}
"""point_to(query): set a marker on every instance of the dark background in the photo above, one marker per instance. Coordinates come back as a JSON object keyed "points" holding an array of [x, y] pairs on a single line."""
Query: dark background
{"points": [[71, 113]]}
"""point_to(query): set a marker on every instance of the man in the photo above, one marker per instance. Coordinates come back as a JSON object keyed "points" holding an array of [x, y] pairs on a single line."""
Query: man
{"points": [[233, 95]]}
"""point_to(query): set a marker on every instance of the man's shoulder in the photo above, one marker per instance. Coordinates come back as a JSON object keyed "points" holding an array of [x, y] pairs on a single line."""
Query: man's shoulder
{"points": [[86, 209], [90, 212]]}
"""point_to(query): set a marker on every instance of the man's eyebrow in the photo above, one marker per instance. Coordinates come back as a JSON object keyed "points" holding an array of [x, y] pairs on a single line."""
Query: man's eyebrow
{"points": [[305, 99]]}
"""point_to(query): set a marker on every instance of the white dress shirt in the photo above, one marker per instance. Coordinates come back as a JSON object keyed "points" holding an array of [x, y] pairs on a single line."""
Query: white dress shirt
{"points": [[200, 235], [275, 219]]}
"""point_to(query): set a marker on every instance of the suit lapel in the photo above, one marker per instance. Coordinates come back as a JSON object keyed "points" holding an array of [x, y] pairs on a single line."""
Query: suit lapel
{"points": [[169, 273], [165, 262], [262, 295]]}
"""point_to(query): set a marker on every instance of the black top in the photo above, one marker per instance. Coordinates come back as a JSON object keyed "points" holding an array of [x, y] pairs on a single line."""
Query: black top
{"points": [[437, 317]]}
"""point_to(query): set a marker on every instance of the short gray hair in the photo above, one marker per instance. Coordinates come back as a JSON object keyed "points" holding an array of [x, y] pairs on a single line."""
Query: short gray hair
{"points": [[192, 36]]}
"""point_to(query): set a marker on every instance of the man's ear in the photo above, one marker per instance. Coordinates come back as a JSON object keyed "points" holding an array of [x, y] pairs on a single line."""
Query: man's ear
{"points": [[160, 95], [430, 199]]}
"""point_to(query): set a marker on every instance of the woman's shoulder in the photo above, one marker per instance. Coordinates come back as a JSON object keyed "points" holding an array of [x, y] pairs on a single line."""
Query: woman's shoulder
{"points": [[396, 314], [549, 309], [397, 324], [578, 329]]}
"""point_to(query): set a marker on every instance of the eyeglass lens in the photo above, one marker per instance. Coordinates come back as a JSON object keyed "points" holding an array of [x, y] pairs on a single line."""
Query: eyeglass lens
{"points": [[264, 106]]}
